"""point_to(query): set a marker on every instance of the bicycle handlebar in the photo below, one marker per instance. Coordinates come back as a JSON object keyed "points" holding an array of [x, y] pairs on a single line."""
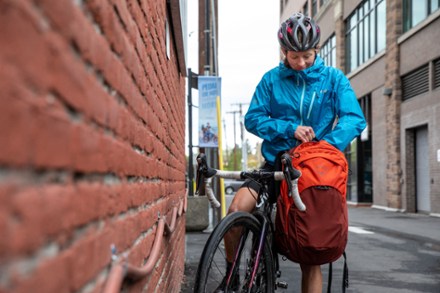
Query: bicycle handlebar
{"points": [[289, 173]]}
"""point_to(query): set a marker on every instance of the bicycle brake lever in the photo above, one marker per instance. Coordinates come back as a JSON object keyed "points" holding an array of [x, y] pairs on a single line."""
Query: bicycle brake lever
{"points": [[288, 178], [287, 162], [203, 171], [289, 173]]}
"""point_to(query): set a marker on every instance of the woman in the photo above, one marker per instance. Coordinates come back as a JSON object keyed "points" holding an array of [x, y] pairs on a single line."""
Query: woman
{"points": [[296, 102]]}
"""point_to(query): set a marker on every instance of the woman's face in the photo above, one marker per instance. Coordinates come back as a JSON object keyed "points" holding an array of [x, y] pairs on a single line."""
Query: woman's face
{"points": [[300, 60]]}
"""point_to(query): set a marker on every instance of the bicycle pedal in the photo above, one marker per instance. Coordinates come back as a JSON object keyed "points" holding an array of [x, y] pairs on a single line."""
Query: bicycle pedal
{"points": [[282, 284]]}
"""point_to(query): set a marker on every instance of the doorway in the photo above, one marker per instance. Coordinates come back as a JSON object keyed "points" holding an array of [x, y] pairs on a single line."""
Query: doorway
{"points": [[423, 201]]}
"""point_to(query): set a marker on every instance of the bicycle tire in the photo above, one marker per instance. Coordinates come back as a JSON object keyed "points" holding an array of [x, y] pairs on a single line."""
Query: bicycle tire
{"points": [[212, 265]]}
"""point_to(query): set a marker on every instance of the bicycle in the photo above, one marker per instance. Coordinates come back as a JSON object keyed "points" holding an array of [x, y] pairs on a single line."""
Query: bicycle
{"points": [[255, 267]]}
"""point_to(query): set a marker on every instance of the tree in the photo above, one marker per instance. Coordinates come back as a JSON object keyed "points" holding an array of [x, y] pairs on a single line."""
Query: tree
{"points": [[254, 158]]}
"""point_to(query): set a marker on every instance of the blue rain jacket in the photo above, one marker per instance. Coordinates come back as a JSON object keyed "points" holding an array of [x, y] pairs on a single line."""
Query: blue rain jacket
{"points": [[286, 98]]}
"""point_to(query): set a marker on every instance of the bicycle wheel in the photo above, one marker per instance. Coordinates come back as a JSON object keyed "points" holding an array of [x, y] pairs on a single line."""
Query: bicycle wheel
{"points": [[212, 270]]}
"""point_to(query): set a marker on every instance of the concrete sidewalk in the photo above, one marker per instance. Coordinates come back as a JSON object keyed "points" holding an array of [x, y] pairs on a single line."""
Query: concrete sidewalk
{"points": [[418, 227]]}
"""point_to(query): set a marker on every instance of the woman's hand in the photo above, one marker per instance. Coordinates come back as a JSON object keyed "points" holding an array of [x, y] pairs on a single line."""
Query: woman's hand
{"points": [[304, 133]]}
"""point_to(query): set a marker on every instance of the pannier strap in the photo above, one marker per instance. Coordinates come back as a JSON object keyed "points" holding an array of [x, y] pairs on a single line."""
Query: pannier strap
{"points": [[344, 276]]}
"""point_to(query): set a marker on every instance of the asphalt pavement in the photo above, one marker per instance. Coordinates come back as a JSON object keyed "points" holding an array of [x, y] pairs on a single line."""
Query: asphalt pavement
{"points": [[416, 227]]}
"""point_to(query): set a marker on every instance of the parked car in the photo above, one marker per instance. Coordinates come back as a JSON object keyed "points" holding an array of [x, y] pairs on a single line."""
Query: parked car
{"points": [[231, 185]]}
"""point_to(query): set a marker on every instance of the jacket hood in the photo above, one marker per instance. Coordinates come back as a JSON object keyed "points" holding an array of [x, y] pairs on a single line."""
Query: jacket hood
{"points": [[312, 73]]}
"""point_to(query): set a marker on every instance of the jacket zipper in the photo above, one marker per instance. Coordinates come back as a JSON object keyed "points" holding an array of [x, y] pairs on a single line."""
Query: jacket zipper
{"points": [[302, 101], [311, 105]]}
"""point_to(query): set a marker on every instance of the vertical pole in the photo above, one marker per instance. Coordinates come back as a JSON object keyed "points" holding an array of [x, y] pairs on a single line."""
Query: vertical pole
{"points": [[220, 157], [207, 31], [235, 140], [235, 146], [190, 146], [226, 145], [243, 140]]}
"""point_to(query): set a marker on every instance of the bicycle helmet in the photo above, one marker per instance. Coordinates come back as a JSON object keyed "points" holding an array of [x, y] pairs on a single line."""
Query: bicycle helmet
{"points": [[299, 33]]}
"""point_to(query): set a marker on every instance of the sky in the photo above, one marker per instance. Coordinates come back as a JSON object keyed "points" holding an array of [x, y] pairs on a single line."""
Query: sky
{"points": [[247, 48]]}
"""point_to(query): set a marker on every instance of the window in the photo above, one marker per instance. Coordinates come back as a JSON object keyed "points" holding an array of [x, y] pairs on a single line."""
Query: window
{"points": [[365, 103], [415, 11], [283, 3], [306, 8], [322, 2], [360, 160], [314, 7], [328, 51], [381, 26], [365, 32]]}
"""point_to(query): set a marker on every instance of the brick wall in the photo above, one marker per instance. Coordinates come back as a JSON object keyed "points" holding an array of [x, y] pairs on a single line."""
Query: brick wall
{"points": [[91, 143], [340, 35], [392, 81], [409, 202]]}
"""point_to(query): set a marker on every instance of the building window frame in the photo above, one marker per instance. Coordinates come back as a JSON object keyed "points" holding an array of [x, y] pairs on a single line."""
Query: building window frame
{"points": [[328, 51], [365, 33], [306, 8], [314, 7], [415, 12]]}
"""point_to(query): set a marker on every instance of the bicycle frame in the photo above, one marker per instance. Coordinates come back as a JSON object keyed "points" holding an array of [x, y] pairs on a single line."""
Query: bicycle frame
{"points": [[263, 234], [262, 213]]}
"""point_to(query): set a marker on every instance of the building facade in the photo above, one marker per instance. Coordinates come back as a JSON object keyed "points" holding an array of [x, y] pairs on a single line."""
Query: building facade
{"points": [[389, 50]]}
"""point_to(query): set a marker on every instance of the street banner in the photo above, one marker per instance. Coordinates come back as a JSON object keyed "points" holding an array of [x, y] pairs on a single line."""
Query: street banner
{"points": [[209, 89]]}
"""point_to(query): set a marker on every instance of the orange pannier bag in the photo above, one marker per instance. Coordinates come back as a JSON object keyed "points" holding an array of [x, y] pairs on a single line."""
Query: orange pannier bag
{"points": [[319, 234]]}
